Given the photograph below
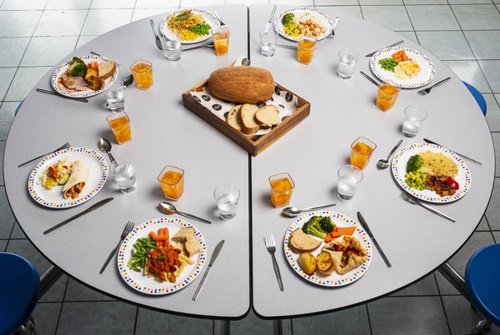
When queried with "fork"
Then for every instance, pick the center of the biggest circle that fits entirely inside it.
(271, 247)
(427, 90)
(414, 201)
(128, 228)
(221, 24)
(64, 146)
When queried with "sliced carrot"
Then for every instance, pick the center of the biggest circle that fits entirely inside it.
(153, 235)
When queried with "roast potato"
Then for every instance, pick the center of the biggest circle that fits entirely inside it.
(307, 262)
(324, 262)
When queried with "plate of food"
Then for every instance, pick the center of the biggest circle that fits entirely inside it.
(68, 177)
(406, 67)
(162, 256)
(84, 76)
(303, 21)
(188, 25)
(431, 173)
(328, 248)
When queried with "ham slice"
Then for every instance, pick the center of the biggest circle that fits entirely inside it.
(73, 84)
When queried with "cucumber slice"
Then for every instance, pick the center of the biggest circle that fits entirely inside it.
(64, 179)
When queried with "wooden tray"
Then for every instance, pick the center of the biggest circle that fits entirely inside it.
(254, 144)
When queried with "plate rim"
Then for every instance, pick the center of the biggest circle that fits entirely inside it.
(163, 25)
(278, 18)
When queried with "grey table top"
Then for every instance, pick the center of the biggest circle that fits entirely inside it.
(166, 133)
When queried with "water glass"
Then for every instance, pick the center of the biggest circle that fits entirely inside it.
(171, 49)
(115, 97)
(414, 117)
(268, 39)
(226, 198)
(349, 179)
(347, 63)
(124, 175)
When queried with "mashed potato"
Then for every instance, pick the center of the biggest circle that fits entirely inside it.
(407, 69)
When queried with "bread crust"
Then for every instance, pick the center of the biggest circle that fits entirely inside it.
(106, 70)
(249, 124)
(267, 116)
(234, 117)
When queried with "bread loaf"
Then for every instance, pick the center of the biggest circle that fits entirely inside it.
(241, 84)
(249, 124)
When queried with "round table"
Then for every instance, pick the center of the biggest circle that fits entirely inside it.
(164, 132)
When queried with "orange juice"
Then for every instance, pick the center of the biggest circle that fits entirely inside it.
(281, 189)
(361, 150)
(221, 40)
(172, 182)
(143, 74)
(387, 95)
(305, 50)
(120, 124)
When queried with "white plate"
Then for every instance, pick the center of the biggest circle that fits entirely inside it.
(149, 285)
(425, 76)
(334, 279)
(207, 16)
(323, 19)
(82, 94)
(399, 170)
(54, 198)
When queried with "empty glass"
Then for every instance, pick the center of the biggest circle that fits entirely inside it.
(115, 98)
(268, 40)
(347, 63)
(124, 175)
(414, 117)
(349, 179)
(171, 49)
(226, 198)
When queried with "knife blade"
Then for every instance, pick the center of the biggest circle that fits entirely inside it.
(210, 263)
(471, 159)
(88, 210)
(41, 90)
(363, 223)
(157, 38)
(269, 23)
(373, 81)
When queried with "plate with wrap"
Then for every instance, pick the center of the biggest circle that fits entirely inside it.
(68, 177)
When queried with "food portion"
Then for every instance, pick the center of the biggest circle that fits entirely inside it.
(347, 253)
(402, 66)
(188, 26)
(304, 24)
(77, 180)
(82, 77)
(57, 174)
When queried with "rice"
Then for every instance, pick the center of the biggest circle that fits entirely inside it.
(439, 164)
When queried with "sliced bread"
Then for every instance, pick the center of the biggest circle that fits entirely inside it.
(183, 234)
(267, 116)
(106, 70)
(234, 118)
(301, 242)
(250, 125)
(191, 246)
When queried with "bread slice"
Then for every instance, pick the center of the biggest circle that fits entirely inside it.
(191, 246)
(301, 242)
(234, 118)
(183, 234)
(267, 116)
(106, 70)
(250, 125)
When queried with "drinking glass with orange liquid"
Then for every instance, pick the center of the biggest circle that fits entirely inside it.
(142, 70)
(305, 49)
(387, 94)
(171, 181)
(120, 124)
(361, 150)
(282, 187)
(221, 40)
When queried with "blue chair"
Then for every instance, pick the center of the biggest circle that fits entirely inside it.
(478, 96)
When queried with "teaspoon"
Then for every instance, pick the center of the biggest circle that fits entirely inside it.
(292, 212)
(105, 146)
(384, 163)
(168, 208)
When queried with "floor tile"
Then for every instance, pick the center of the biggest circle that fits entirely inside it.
(252, 324)
(12, 50)
(490, 69)
(425, 2)
(426, 286)
(56, 292)
(94, 317)
(112, 4)
(145, 12)
(22, 24)
(392, 17)
(17, 232)
(26, 78)
(380, 2)
(46, 316)
(407, 315)
(153, 322)
(462, 317)
(432, 18)
(68, 4)
(446, 45)
(483, 225)
(6, 217)
(409, 35)
(69, 22)
(3, 245)
(100, 21)
(493, 210)
(493, 112)
(6, 74)
(336, 2)
(23, 4)
(48, 51)
(468, 2)
(485, 44)
(83, 40)
(79, 292)
(477, 16)
(470, 72)
(156, 3)
(334, 323)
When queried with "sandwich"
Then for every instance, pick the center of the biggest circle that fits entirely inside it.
(77, 180)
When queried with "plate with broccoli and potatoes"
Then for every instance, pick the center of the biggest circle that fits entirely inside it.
(84, 76)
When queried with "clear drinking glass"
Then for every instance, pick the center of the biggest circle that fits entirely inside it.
(305, 49)
(115, 98)
(386, 95)
(226, 198)
(361, 151)
(171, 49)
(124, 175)
(414, 117)
(171, 181)
(349, 179)
(142, 70)
(347, 63)
(268, 40)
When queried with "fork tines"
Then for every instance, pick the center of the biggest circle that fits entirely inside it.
(270, 241)
(407, 197)
(128, 228)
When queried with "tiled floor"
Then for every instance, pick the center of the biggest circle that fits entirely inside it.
(463, 33)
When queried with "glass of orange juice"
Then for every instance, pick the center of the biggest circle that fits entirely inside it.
(361, 150)
(120, 124)
(142, 70)
(282, 186)
(305, 49)
(171, 181)
(221, 40)
(387, 94)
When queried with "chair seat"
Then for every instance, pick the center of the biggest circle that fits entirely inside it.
(482, 277)
(19, 286)
(478, 96)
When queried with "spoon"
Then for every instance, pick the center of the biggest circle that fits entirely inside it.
(384, 163)
(245, 62)
(105, 146)
(292, 212)
(128, 81)
(168, 208)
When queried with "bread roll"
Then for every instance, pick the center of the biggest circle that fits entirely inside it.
(301, 242)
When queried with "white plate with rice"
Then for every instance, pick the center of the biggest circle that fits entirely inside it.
(184, 35)
(463, 176)
(302, 14)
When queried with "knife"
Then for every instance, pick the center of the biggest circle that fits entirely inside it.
(389, 46)
(369, 232)
(473, 160)
(269, 23)
(369, 78)
(157, 38)
(41, 90)
(88, 210)
(212, 260)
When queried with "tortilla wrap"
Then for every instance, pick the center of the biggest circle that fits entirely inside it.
(79, 174)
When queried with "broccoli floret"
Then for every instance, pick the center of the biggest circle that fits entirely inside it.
(77, 67)
(414, 163)
(313, 227)
(327, 224)
(287, 18)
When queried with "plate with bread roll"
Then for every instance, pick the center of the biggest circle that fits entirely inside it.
(328, 248)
